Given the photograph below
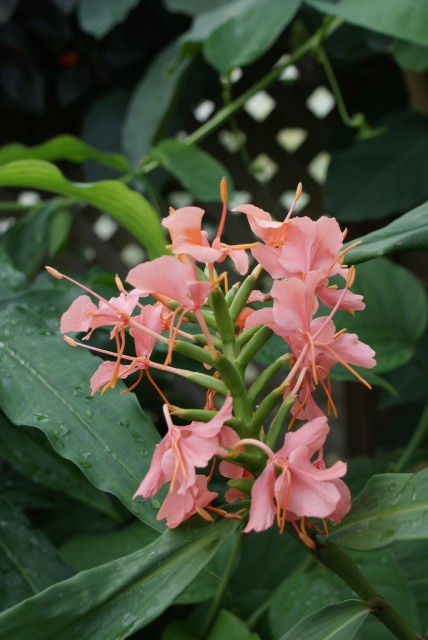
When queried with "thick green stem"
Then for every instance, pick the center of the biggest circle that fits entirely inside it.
(225, 324)
(232, 378)
(343, 566)
(240, 299)
(264, 409)
(279, 421)
(253, 346)
(194, 352)
(266, 376)
(415, 441)
(208, 382)
(200, 415)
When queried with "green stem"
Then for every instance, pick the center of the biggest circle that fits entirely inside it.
(358, 120)
(241, 297)
(253, 346)
(227, 574)
(335, 559)
(278, 421)
(232, 378)
(414, 443)
(194, 352)
(266, 376)
(200, 415)
(262, 412)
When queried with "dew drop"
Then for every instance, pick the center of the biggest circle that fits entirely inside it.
(155, 503)
(89, 413)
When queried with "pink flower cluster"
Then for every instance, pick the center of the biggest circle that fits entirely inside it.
(290, 483)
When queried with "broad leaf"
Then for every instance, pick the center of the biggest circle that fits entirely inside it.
(87, 550)
(248, 35)
(193, 7)
(411, 57)
(227, 625)
(401, 20)
(409, 232)
(150, 102)
(197, 171)
(108, 437)
(121, 596)
(98, 17)
(339, 621)
(390, 508)
(395, 316)
(28, 561)
(381, 176)
(63, 147)
(126, 206)
(29, 452)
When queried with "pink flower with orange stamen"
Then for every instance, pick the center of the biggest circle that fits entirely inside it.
(178, 507)
(292, 487)
(189, 239)
(181, 451)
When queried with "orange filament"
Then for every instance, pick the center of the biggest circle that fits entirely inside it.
(345, 364)
(153, 383)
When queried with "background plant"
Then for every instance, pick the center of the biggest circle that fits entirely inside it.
(83, 83)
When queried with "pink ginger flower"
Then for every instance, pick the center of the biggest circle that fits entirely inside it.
(272, 232)
(168, 277)
(292, 487)
(84, 315)
(314, 343)
(178, 507)
(108, 372)
(188, 238)
(181, 451)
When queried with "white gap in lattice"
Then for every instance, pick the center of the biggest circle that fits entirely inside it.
(291, 139)
(28, 198)
(203, 110)
(263, 168)
(320, 102)
(318, 166)
(132, 254)
(235, 76)
(291, 72)
(237, 198)
(287, 200)
(105, 227)
(260, 105)
(6, 224)
(179, 199)
(181, 135)
(89, 254)
(232, 141)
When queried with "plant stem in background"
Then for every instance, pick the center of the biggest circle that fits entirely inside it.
(414, 443)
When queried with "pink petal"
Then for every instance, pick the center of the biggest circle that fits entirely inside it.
(262, 509)
(79, 316)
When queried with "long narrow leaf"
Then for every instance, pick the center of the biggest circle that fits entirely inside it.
(114, 600)
(125, 205)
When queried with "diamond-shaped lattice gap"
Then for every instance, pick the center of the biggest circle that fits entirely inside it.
(263, 168)
(232, 141)
(260, 105)
(179, 199)
(291, 139)
(105, 227)
(132, 254)
(203, 110)
(320, 102)
(290, 73)
(318, 166)
(286, 199)
(239, 197)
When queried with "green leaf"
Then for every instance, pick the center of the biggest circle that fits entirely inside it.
(395, 316)
(28, 561)
(126, 206)
(249, 34)
(27, 241)
(63, 147)
(411, 57)
(227, 625)
(339, 621)
(151, 101)
(108, 437)
(401, 20)
(98, 17)
(193, 7)
(381, 176)
(390, 508)
(195, 169)
(121, 596)
(30, 454)
(12, 281)
(409, 232)
(87, 550)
